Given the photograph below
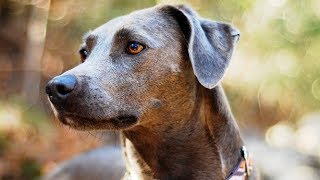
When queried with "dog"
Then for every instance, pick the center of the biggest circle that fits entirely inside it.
(154, 75)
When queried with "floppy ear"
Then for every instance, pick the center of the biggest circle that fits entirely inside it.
(210, 44)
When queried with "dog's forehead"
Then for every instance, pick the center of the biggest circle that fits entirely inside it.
(145, 21)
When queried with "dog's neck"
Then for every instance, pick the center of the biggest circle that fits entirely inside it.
(206, 146)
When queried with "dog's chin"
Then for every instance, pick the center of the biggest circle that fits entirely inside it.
(87, 124)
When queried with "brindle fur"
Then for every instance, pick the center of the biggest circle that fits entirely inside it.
(184, 128)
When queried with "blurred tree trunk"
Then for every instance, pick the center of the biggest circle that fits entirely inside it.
(36, 34)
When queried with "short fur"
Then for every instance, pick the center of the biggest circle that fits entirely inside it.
(178, 124)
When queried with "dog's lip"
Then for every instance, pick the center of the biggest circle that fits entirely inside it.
(117, 122)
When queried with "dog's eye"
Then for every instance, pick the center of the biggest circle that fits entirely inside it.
(134, 48)
(83, 54)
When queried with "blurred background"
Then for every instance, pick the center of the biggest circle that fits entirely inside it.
(273, 83)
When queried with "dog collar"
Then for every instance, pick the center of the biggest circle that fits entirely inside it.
(243, 167)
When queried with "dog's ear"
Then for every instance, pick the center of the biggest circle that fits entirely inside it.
(210, 44)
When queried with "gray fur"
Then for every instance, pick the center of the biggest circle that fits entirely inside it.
(184, 128)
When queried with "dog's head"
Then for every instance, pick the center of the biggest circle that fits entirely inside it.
(141, 66)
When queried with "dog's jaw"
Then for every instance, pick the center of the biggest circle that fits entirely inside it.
(120, 122)
(87, 124)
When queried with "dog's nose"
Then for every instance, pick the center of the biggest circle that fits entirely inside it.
(60, 87)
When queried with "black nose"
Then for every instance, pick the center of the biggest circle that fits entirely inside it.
(60, 87)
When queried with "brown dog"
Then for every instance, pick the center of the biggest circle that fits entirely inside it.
(154, 75)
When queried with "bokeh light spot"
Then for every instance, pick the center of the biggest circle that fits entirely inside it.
(280, 135)
(308, 136)
(298, 173)
(10, 118)
(286, 62)
(316, 89)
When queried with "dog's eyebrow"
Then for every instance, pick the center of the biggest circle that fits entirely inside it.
(123, 32)
(135, 35)
(89, 39)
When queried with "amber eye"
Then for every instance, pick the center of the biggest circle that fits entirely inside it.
(134, 48)
(83, 54)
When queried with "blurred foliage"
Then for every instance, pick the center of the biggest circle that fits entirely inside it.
(3, 143)
(273, 83)
(30, 169)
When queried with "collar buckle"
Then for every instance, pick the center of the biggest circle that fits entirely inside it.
(245, 155)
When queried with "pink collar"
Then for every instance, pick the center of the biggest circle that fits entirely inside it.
(243, 167)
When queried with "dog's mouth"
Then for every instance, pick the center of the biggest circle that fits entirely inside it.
(84, 123)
